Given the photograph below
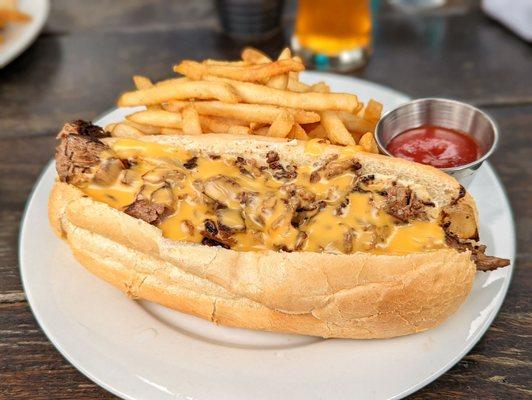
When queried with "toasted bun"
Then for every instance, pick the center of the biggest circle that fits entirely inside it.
(330, 295)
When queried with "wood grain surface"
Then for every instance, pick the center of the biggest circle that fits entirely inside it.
(86, 56)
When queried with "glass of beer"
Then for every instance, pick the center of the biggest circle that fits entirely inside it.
(333, 34)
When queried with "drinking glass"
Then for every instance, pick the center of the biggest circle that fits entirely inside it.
(333, 34)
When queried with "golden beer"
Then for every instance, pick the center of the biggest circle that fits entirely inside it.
(333, 27)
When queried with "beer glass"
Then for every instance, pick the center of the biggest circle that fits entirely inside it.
(333, 34)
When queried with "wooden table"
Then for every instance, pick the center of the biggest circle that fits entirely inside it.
(86, 56)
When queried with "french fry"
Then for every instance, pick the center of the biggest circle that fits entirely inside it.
(337, 133)
(373, 110)
(141, 82)
(171, 131)
(295, 75)
(281, 81)
(145, 129)
(123, 130)
(367, 141)
(222, 62)
(259, 94)
(261, 131)
(171, 81)
(220, 125)
(247, 73)
(320, 87)
(9, 13)
(110, 127)
(12, 15)
(286, 54)
(295, 86)
(256, 125)
(252, 96)
(355, 123)
(178, 105)
(191, 122)
(297, 132)
(238, 130)
(234, 121)
(160, 118)
(318, 132)
(179, 91)
(282, 124)
(254, 56)
(309, 127)
(247, 112)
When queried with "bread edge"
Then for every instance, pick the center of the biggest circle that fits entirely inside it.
(416, 300)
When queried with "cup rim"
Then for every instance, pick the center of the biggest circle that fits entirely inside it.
(491, 121)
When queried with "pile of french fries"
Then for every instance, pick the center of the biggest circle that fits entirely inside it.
(253, 96)
(9, 12)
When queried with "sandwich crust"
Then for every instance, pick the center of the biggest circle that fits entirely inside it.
(330, 295)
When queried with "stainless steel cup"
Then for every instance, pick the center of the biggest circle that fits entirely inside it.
(446, 113)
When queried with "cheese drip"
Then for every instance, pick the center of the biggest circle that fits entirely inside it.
(346, 220)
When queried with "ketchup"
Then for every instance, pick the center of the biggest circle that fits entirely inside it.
(436, 146)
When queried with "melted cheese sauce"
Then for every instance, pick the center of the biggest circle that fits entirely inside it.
(358, 225)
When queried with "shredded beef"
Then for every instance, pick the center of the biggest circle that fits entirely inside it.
(287, 173)
(279, 172)
(248, 167)
(82, 128)
(220, 239)
(272, 156)
(210, 227)
(461, 194)
(75, 155)
(212, 242)
(78, 151)
(366, 179)
(315, 177)
(334, 168)
(298, 197)
(148, 211)
(482, 261)
(348, 240)
(302, 216)
(214, 235)
(403, 204)
(192, 163)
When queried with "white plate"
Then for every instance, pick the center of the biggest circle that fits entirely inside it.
(139, 350)
(18, 36)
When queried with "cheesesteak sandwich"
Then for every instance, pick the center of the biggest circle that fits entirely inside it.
(269, 234)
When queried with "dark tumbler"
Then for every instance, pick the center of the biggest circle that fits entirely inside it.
(250, 20)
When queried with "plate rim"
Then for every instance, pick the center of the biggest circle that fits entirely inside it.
(15, 49)
(473, 341)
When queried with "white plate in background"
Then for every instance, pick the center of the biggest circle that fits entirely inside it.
(139, 350)
(19, 36)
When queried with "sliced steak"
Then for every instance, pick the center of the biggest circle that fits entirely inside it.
(78, 151)
(214, 235)
(403, 204)
(75, 156)
(482, 261)
(334, 168)
(148, 211)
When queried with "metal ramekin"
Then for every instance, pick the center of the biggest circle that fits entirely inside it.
(446, 113)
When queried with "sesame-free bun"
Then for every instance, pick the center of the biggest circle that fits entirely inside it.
(357, 295)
